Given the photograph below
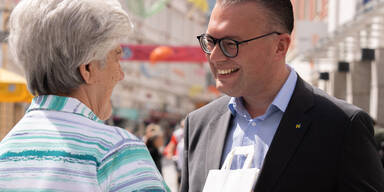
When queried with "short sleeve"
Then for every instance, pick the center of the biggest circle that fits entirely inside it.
(129, 167)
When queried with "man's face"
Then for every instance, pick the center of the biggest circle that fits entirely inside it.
(250, 72)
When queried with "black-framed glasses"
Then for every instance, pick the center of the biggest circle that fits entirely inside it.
(228, 46)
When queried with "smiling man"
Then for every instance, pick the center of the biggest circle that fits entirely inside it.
(70, 52)
(304, 140)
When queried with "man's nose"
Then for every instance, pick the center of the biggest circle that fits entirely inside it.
(217, 54)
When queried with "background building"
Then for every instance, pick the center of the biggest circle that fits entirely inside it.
(163, 90)
(349, 57)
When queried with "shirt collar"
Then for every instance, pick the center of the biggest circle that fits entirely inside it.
(63, 104)
(282, 98)
(236, 106)
(280, 102)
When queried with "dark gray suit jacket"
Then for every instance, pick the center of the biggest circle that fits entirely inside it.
(332, 151)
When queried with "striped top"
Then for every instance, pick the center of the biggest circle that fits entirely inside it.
(60, 145)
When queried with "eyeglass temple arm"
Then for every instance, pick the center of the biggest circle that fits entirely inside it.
(275, 32)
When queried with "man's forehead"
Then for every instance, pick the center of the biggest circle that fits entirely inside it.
(235, 18)
(219, 24)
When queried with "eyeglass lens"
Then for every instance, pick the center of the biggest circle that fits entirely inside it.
(228, 46)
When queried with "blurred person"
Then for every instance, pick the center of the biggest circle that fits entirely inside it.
(148, 133)
(174, 149)
(179, 159)
(155, 142)
(180, 148)
(304, 140)
(71, 55)
(171, 151)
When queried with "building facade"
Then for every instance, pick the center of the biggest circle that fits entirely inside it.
(349, 58)
(164, 89)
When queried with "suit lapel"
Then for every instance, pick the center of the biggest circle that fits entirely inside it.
(292, 128)
(218, 129)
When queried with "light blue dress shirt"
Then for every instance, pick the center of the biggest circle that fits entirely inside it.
(259, 131)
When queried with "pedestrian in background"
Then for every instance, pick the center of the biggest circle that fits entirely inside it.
(155, 143)
(170, 150)
(70, 51)
(175, 147)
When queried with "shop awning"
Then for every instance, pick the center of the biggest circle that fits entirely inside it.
(13, 88)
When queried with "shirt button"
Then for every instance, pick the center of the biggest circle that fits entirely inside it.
(254, 124)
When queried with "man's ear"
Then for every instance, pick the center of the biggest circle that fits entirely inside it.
(88, 72)
(283, 44)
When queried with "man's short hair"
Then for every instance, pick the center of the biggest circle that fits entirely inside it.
(281, 11)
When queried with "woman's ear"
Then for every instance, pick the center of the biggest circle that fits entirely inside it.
(85, 73)
(88, 71)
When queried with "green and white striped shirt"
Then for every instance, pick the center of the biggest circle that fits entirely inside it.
(61, 145)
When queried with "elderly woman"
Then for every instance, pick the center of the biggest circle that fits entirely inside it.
(70, 52)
